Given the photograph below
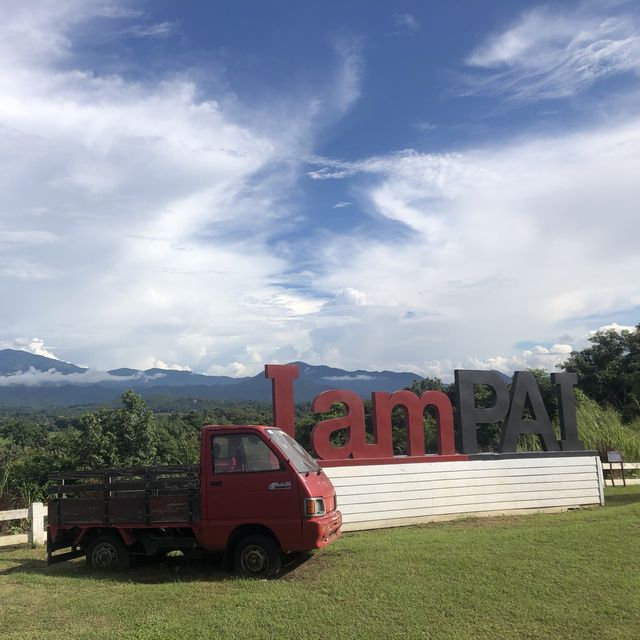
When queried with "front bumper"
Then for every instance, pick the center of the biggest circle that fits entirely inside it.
(320, 531)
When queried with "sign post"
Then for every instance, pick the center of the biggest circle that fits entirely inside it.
(616, 456)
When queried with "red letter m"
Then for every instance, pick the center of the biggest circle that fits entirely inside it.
(414, 406)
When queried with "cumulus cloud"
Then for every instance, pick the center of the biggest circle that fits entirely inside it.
(556, 51)
(155, 363)
(540, 357)
(32, 345)
(614, 326)
(349, 296)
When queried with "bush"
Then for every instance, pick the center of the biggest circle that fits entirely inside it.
(602, 429)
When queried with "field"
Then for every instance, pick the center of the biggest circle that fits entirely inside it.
(568, 575)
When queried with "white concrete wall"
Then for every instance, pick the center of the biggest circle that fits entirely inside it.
(388, 495)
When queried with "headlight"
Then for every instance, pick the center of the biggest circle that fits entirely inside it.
(314, 507)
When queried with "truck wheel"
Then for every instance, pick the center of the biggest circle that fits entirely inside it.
(107, 552)
(257, 557)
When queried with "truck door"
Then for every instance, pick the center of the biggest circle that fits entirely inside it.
(250, 484)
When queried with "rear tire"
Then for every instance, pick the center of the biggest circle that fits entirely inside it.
(107, 552)
(257, 557)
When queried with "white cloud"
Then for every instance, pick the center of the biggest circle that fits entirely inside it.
(539, 357)
(18, 268)
(26, 236)
(342, 204)
(139, 223)
(425, 125)
(349, 296)
(514, 241)
(34, 378)
(36, 345)
(555, 52)
(406, 22)
(137, 217)
(347, 86)
(155, 363)
(233, 369)
(156, 30)
(614, 326)
(32, 345)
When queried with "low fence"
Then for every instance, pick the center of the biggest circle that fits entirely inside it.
(36, 515)
(628, 466)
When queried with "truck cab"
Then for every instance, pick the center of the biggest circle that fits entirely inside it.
(258, 481)
(257, 494)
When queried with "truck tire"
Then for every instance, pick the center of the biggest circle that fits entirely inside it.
(107, 552)
(257, 557)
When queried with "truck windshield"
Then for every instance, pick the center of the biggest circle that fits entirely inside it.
(298, 457)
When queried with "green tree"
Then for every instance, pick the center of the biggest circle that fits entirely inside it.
(609, 370)
(124, 437)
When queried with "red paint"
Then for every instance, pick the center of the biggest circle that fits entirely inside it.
(353, 420)
(272, 499)
(414, 406)
(359, 462)
(244, 498)
(282, 377)
(383, 403)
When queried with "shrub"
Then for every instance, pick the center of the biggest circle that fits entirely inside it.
(602, 429)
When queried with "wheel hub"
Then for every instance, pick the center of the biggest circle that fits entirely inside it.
(255, 559)
(105, 555)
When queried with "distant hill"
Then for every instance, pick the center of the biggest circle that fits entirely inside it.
(29, 380)
(14, 361)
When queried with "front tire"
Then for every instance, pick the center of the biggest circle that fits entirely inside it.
(257, 557)
(107, 552)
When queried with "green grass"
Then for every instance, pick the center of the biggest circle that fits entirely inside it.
(568, 575)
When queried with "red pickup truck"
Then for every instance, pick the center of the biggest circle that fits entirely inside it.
(255, 495)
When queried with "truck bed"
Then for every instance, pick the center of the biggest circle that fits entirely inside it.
(146, 496)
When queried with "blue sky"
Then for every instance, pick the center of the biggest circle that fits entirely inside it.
(401, 185)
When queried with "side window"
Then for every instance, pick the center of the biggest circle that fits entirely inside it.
(242, 453)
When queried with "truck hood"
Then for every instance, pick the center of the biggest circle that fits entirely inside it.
(319, 486)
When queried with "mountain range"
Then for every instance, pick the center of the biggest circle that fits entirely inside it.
(27, 379)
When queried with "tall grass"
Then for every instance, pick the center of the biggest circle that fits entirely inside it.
(602, 429)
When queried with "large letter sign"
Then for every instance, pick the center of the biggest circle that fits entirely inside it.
(353, 421)
(469, 416)
(414, 406)
(567, 404)
(524, 386)
(509, 408)
(282, 376)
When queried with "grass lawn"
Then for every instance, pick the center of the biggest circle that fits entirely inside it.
(569, 575)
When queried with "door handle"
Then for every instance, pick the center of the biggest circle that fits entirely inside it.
(215, 483)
